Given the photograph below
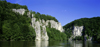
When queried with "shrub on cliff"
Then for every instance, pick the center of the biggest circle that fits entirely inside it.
(56, 34)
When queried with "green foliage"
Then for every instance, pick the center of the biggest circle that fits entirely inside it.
(7, 5)
(68, 33)
(14, 26)
(78, 38)
(43, 16)
(2, 0)
(91, 26)
(56, 34)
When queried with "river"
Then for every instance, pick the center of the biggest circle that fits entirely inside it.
(48, 44)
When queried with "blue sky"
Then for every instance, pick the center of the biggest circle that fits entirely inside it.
(64, 11)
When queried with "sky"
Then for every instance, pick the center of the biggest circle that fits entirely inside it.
(65, 11)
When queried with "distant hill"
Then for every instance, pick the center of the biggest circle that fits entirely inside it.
(91, 27)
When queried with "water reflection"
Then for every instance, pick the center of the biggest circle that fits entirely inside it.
(48, 44)
(75, 44)
(80, 43)
(41, 43)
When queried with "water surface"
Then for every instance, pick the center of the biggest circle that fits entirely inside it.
(48, 44)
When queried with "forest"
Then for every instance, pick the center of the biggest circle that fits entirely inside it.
(13, 25)
(91, 27)
(16, 27)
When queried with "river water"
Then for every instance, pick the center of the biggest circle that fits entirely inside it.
(48, 44)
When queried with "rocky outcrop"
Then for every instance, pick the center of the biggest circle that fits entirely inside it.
(20, 11)
(56, 25)
(40, 28)
(77, 31)
(44, 33)
(40, 25)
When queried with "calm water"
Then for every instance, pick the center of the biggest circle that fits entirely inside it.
(48, 44)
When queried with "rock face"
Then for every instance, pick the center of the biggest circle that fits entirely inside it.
(44, 33)
(40, 25)
(20, 11)
(41, 33)
(56, 25)
(77, 31)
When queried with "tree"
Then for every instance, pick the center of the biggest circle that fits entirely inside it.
(2, 0)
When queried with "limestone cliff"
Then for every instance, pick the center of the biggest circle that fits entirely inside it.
(40, 25)
(77, 31)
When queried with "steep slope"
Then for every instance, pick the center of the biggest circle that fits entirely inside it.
(91, 27)
(18, 23)
(13, 25)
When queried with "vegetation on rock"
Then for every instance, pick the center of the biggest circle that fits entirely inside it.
(14, 26)
(91, 27)
(43, 16)
(56, 34)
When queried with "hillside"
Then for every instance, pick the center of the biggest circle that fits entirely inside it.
(91, 27)
(17, 23)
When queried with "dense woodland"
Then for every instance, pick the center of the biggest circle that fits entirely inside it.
(91, 27)
(13, 25)
(16, 27)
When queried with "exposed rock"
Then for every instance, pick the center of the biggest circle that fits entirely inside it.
(55, 25)
(37, 31)
(41, 34)
(40, 25)
(44, 33)
(77, 31)
(20, 11)
(29, 14)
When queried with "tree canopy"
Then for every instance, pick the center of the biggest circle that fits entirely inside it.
(14, 26)
(91, 26)
(43, 16)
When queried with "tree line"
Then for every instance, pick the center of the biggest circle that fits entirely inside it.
(91, 27)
